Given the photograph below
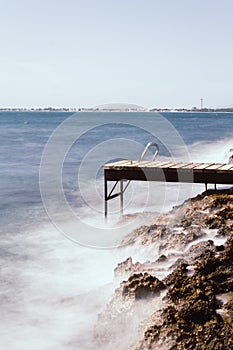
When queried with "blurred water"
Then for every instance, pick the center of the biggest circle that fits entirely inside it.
(45, 278)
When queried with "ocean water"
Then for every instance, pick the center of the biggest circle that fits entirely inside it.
(57, 251)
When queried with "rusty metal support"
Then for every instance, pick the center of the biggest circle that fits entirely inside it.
(112, 195)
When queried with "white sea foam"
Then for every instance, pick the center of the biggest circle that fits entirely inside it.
(53, 293)
(216, 152)
(50, 293)
(46, 309)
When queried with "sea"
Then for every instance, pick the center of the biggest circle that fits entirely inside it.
(58, 252)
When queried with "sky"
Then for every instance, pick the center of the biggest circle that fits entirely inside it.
(84, 53)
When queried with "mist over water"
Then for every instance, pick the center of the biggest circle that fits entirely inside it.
(51, 288)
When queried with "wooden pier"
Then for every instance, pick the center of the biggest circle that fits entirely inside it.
(124, 171)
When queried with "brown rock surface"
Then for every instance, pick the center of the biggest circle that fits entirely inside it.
(192, 315)
(142, 286)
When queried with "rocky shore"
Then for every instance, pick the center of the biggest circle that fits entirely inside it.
(183, 299)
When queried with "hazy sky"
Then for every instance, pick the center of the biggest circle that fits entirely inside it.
(154, 53)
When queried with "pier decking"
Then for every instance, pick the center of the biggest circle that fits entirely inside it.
(133, 170)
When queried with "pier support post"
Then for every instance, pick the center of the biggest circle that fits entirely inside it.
(105, 198)
(121, 195)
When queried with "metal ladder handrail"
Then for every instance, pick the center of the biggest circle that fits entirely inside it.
(111, 194)
(150, 144)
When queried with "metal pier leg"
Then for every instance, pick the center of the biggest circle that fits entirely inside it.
(215, 186)
(105, 198)
(206, 186)
(121, 195)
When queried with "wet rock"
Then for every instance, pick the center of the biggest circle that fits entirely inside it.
(178, 262)
(194, 234)
(142, 286)
(201, 249)
(220, 248)
(126, 268)
(225, 230)
(191, 317)
(229, 308)
(214, 222)
(162, 258)
(228, 253)
(177, 277)
(192, 305)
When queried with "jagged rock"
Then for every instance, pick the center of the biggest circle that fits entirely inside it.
(225, 230)
(162, 258)
(201, 249)
(178, 262)
(229, 308)
(126, 267)
(192, 306)
(142, 286)
(229, 249)
(191, 316)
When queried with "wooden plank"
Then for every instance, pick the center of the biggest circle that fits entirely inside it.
(132, 163)
(149, 163)
(146, 164)
(133, 169)
(226, 167)
(202, 166)
(126, 164)
(179, 165)
(118, 163)
(159, 165)
(192, 165)
(215, 166)
(141, 164)
(161, 162)
(170, 172)
(156, 164)
(153, 164)
(137, 163)
(165, 166)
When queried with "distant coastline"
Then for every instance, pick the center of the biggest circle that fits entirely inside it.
(96, 109)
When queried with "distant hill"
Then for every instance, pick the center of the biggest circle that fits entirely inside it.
(119, 106)
(224, 107)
